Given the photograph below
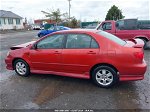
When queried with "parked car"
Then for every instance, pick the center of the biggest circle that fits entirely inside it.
(89, 54)
(91, 26)
(51, 30)
(128, 29)
(36, 27)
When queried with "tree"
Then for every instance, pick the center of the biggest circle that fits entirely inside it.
(114, 13)
(54, 15)
(74, 22)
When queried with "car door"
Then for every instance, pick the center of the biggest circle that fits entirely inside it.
(48, 52)
(80, 52)
(107, 26)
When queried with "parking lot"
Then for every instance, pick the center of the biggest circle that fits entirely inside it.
(56, 92)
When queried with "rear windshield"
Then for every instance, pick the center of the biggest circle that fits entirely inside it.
(113, 38)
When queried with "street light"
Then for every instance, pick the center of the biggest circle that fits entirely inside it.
(69, 8)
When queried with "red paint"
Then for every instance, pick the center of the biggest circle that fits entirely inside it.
(127, 59)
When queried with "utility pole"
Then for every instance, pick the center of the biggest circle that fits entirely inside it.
(69, 8)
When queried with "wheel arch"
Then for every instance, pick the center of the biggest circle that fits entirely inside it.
(102, 64)
(17, 59)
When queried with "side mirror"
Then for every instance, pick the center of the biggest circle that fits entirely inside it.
(34, 46)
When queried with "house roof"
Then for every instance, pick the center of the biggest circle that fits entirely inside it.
(9, 14)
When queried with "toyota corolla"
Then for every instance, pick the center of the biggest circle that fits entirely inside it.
(89, 54)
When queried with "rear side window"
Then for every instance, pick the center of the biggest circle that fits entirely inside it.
(80, 41)
(112, 37)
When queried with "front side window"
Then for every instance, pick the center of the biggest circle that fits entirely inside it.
(80, 41)
(107, 26)
(51, 42)
(10, 21)
(51, 28)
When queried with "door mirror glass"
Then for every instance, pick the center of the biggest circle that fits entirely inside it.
(34, 46)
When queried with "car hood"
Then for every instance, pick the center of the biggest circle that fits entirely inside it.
(22, 45)
(136, 43)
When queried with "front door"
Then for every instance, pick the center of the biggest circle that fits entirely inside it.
(47, 55)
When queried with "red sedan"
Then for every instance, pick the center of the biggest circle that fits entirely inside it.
(88, 54)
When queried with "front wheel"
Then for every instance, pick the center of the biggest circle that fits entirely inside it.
(21, 68)
(104, 76)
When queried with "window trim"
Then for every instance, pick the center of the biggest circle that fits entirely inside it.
(81, 48)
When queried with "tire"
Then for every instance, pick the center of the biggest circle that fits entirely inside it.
(104, 76)
(145, 44)
(21, 68)
(41, 35)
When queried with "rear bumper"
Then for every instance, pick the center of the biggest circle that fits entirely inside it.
(8, 62)
(136, 72)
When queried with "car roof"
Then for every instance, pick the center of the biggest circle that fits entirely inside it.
(79, 31)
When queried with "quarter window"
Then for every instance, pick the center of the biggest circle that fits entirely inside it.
(51, 42)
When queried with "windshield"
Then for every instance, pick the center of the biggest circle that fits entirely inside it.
(113, 38)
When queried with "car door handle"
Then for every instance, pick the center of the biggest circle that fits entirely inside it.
(57, 52)
(91, 52)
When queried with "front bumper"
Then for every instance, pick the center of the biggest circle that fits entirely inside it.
(8, 62)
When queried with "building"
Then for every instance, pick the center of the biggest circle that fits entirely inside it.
(10, 20)
(43, 21)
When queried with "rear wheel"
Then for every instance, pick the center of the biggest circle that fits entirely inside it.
(104, 76)
(41, 35)
(21, 68)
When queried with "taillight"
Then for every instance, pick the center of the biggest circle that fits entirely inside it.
(139, 55)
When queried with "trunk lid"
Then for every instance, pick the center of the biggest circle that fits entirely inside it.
(135, 43)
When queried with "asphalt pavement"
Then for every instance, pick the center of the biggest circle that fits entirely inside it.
(56, 92)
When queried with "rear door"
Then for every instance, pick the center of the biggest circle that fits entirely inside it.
(80, 52)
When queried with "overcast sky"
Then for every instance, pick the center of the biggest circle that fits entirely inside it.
(86, 10)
